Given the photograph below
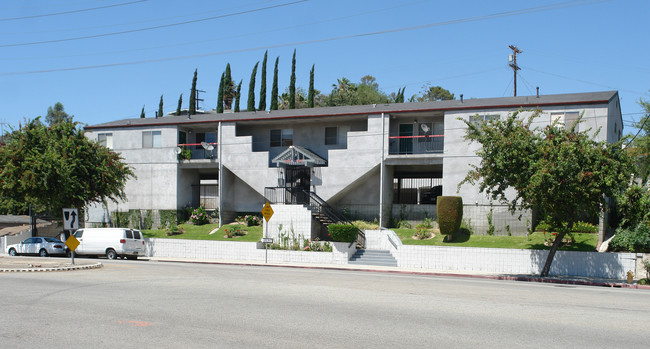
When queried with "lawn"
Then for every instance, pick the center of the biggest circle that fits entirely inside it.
(202, 232)
(583, 242)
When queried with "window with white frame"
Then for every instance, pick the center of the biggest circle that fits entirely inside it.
(282, 138)
(151, 139)
(105, 140)
(331, 135)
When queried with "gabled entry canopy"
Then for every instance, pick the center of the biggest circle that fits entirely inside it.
(296, 155)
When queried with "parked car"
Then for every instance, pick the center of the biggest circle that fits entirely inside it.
(110, 242)
(42, 246)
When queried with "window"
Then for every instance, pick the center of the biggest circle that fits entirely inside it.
(129, 234)
(567, 119)
(105, 139)
(331, 135)
(475, 119)
(151, 139)
(282, 138)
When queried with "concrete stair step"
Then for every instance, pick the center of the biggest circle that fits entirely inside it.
(373, 257)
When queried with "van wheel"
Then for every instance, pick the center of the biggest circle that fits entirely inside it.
(42, 253)
(12, 252)
(111, 254)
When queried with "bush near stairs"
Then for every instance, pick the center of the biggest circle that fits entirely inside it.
(343, 232)
(450, 215)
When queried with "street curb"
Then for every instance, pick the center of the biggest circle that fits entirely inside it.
(67, 268)
(474, 276)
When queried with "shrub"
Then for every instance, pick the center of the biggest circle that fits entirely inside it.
(199, 216)
(252, 220)
(450, 215)
(422, 232)
(632, 239)
(363, 225)
(491, 228)
(343, 232)
(584, 227)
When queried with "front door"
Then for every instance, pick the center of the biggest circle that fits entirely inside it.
(298, 181)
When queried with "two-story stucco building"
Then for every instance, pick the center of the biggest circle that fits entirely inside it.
(383, 161)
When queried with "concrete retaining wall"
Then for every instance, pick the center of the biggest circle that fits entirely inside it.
(488, 260)
(244, 251)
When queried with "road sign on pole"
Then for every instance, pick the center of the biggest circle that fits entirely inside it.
(267, 211)
(70, 219)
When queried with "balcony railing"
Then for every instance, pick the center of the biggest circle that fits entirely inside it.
(400, 145)
(198, 151)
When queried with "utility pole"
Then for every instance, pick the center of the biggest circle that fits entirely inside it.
(197, 99)
(512, 59)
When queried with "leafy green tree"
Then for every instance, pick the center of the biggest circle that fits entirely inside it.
(640, 145)
(180, 104)
(399, 96)
(434, 93)
(344, 92)
(274, 88)
(220, 95)
(142, 115)
(192, 110)
(292, 83)
(263, 83)
(228, 89)
(160, 107)
(49, 168)
(57, 114)
(312, 93)
(559, 171)
(251, 89)
(238, 96)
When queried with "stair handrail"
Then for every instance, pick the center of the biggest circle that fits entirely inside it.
(324, 208)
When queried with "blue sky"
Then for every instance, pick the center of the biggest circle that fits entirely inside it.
(105, 59)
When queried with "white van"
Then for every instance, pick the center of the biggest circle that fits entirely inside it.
(110, 242)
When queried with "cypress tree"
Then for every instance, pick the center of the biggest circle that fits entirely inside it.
(251, 89)
(180, 103)
(192, 110)
(274, 89)
(238, 97)
(228, 89)
(160, 107)
(220, 96)
(292, 83)
(310, 96)
(263, 83)
(142, 113)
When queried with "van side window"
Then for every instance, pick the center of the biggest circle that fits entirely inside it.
(78, 233)
(129, 234)
(136, 234)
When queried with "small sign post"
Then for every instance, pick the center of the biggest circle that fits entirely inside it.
(72, 244)
(267, 212)
(71, 223)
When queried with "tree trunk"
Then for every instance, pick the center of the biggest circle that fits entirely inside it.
(551, 253)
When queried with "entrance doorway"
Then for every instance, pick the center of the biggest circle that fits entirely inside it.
(298, 180)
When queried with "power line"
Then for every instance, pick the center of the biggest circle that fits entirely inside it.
(152, 28)
(299, 43)
(72, 11)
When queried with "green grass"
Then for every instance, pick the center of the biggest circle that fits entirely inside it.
(202, 232)
(583, 242)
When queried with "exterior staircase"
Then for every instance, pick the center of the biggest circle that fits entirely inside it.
(373, 257)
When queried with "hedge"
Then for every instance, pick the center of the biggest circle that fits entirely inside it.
(343, 232)
(450, 214)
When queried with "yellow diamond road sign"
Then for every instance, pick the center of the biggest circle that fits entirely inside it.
(72, 243)
(267, 211)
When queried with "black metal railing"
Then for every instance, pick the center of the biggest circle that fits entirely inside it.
(318, 206)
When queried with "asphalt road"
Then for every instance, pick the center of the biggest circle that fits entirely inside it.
(145, 304)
